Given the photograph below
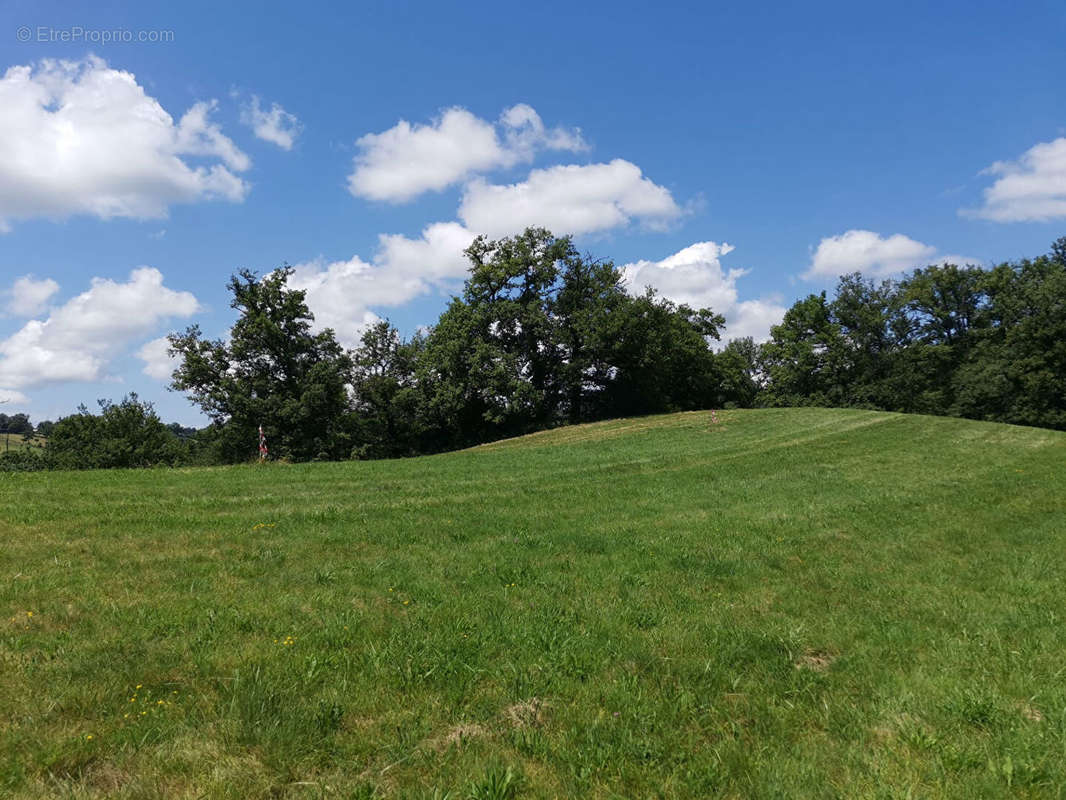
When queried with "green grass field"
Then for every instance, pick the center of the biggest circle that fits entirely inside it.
(790, 603)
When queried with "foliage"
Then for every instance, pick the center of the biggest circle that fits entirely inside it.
(15, 423)
(512, 354)
(1016, 370)
(386, 419)
(273, 371)
(961, 341)
(24, 459)
(125, 434)
(662, 358)
(738, 364)
(543, 335)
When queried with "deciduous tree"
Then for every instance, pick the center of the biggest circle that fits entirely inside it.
(273, 370)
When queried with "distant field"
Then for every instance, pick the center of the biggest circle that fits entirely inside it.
(15, 441)
(790, 603)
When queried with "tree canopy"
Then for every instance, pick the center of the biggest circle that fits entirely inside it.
(984, 343)
(124, 434)
(273, 371)
(542, 335)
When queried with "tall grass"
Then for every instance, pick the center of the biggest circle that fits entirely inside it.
(782, 603)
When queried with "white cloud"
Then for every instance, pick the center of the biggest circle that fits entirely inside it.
(869, 253)
(77, 137)
(341, 293)
(568, 199)
(957, 260)
(694, 276)
(276, 125)
(28, 296)
(754, 318)
(78, 339)
(338, 294)
(1031, 189)
(158, 363)
(11, 396)
(406, 160)
(197, 135)
(436, 256)
(524, 134)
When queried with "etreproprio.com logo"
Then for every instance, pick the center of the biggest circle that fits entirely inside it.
(77, 34)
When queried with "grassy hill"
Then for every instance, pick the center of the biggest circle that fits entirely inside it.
(14, 441)
(788, 603)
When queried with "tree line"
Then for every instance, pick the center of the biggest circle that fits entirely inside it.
(981, 343)
(542, 335)
(18, 424)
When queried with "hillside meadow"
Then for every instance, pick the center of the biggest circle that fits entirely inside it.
(14, 441)
(778, 603)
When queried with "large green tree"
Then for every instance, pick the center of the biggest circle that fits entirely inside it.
(388, 415)
(15, 423)
(807, 358)
(742, 379)
(661, 358)
(489, 367)
(1015, 370)
(543, 335)
(273, 370)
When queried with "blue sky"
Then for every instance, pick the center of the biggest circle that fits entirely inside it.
(812, 139)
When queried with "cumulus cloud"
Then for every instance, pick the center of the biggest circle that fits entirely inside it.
(869, 253)
(569, 199)
(695, 276)
(524, 134)
(277, 125)
(436, 256)
(11, 396)
(158, 363)
(28, 296)
(407, 160)
(341, 293)
(754, 318)
(1031, 189)
(79, 338)
(78, 137)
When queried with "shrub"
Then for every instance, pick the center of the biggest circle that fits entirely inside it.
(24, 460)
(126, 434)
